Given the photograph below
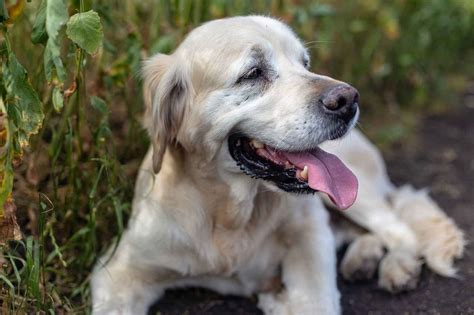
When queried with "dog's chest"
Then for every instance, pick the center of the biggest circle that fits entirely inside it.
(233, 248)
(256, 244)
(254, 262)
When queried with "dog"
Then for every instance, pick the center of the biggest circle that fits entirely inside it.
(249, 149)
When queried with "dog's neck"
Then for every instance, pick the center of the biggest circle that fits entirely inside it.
(237, 213)
(232, 203)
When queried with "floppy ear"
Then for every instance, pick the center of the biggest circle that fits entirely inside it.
(166, 89)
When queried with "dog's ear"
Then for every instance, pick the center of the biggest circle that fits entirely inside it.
(166, 90)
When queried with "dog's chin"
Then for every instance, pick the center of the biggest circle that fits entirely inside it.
(253, 159)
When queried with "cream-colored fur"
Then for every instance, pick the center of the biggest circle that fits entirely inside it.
(439, 239)
(200, 221)
(407, 222)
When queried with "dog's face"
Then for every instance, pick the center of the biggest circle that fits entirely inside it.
(238, 93)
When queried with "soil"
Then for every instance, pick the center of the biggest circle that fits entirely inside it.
(439, 156)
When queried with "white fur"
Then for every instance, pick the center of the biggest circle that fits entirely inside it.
(201, 221)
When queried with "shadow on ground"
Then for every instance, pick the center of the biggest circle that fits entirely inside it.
(441, 157)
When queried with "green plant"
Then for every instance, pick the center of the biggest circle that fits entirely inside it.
(74, 163)
(70, 135)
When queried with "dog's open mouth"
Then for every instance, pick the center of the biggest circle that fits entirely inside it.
(299, 172)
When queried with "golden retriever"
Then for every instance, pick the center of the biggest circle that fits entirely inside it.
(241, 135)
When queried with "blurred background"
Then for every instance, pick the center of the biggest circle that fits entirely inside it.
(409, 59)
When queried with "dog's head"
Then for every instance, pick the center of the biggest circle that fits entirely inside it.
(238, 93)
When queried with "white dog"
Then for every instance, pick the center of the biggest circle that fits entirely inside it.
(239, 129)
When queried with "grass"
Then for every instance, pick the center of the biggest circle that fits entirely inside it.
(73, 187)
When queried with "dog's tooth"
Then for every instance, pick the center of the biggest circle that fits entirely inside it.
(304, 173)
(257, 144)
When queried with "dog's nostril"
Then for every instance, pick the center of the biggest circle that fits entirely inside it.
(340, 97)
(341, 102)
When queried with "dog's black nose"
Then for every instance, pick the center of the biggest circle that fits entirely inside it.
(341, 100)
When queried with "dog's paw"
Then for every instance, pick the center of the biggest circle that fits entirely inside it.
(362, 258)
(284, 303)
(440, 240)
(445, 244)
(273, 304)
(399, 271)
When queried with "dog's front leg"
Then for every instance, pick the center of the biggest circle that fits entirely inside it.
(309, 267)
(129, 279)
(125, 285)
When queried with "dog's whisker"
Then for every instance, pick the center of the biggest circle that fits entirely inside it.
(317, 42)
(359, 125)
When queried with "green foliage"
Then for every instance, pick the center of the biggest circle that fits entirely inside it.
(57, 99)
(85, 30)
(55, 18)
(38, 33)
(82, 96)
(3, 12)
(21, 116)
(99, 105)
(23, 104)
(398, 53)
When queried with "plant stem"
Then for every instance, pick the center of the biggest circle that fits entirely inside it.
(81, 91)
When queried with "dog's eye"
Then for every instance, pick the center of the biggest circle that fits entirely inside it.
(253, 74)
(306, 63)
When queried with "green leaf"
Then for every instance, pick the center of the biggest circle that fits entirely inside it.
(99, 105)
(33, 267)
(85, 30)
(56, 17)
(25, 110)
(8, 282)
(6, 156)
(58, 99)
(165, 44)
(39, 34)
(3, 12)
(53, 64)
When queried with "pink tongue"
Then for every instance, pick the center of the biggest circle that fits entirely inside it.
(328, 174)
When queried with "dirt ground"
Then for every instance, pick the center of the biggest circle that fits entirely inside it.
(440, 156)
